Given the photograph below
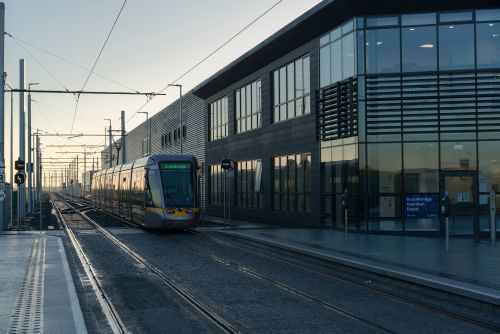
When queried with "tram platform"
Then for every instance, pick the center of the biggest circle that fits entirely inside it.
(471, 267)
(37, 292)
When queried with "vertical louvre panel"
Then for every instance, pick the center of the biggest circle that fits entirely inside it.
(339, 110)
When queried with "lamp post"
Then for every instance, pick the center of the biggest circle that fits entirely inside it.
(11, 156)
(30, 169)
(110, 142)
(180, 112)
(148, 123)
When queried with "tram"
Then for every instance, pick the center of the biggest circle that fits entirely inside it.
(158, 192)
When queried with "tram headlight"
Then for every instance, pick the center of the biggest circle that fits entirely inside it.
(188, 211)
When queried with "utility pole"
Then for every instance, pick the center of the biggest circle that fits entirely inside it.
(77, 175)
(30, 168)
(123, 148)
(84, 171)
(2, 114)
(11, 153)
(110, 144)
(39, 179)
(21, 198)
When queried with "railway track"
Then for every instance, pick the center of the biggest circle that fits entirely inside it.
(394, 296)
(110, 312)
(303, 294)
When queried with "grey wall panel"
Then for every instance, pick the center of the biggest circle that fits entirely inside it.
(296, 135)
(165, 122)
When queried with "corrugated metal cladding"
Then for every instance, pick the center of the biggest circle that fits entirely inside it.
(165, 123)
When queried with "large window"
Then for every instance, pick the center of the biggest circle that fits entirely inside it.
(337, 55)
(218, 119)
(292, 183)
(216, 185)
(419, 49)
(421, 167)
(489, 166)
(458, 155)
(488, 45)
(339, 171)
(248, 107)
(384, 168)
(456, 51)
(248, 187)
(382, 51)
(292, 90)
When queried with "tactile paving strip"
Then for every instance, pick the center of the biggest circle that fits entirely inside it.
(28, 311)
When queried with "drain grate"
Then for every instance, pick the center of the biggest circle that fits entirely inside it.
(28, 311)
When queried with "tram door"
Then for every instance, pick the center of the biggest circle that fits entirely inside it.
(461, 188)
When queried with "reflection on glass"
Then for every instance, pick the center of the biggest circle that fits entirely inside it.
(489, 166)
(385, 206)
(418, 19)
(455, 51)
(488, 15)
(324, 66)
(458, 155)
(461, 192)
(382, 51)
(336, 61)
(455, 17)
(382, 21)
(384, 168)
(427, 224)
(488, 45)
(419, 49)
(421, 167)
(347, 27)
(348, 62)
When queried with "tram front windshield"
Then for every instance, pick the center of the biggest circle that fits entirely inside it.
(177, 183)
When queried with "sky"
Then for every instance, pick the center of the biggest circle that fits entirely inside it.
(152, 44)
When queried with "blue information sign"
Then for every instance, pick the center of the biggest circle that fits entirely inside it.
(421, 206)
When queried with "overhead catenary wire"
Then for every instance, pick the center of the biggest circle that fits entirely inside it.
(97, 59)
(72, 63)
(39, 63)
(192, 68)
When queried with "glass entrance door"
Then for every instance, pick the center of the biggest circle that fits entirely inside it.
(461, 190)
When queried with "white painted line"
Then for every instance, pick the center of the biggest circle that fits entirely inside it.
(80, 327)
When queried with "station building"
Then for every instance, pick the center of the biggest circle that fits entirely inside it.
(395, 101)
(161, 133)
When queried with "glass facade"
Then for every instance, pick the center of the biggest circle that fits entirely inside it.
(338, 55)
(219, 119)
(216, 185)
(428, 122)
(248, 107)
(292, 183)
(248, 184)
(292, 90)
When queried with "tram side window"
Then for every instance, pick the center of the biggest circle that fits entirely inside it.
(138, 188)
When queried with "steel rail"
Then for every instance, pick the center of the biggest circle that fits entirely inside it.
(247, 271)
(337, 309)
(404, 299)
(179, 290)
(107, 307)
